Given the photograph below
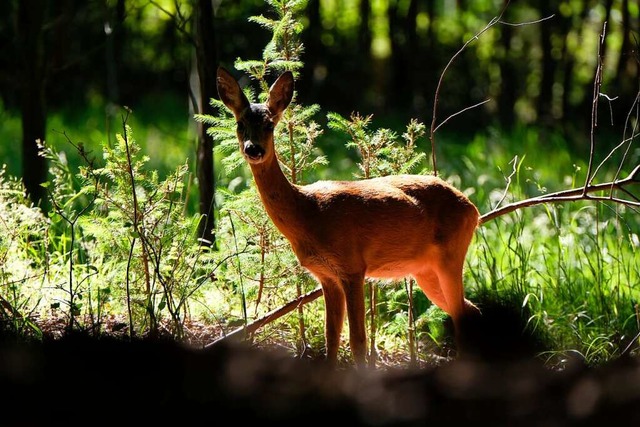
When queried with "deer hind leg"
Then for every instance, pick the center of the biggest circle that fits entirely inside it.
(334, 301)
(430, 285)
(450, 279)
(447, 294)
(449, 268)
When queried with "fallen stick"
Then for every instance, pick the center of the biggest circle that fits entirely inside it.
(242, 332)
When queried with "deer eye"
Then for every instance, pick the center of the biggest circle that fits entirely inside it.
(240, 127)
(269, 126)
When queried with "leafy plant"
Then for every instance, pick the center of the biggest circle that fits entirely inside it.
(23, 258)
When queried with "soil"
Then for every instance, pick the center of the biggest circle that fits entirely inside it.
(82, 380)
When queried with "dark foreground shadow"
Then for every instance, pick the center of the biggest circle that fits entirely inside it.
(500, 334)
(83, 381)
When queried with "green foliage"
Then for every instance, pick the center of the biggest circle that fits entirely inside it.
(23, 254)
(143, 223)
(284, 50)
(572, 265)
(379, 151)
(117, 243)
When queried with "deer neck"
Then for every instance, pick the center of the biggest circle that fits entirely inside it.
(282, 200)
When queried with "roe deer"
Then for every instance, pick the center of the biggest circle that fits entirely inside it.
(343, 231)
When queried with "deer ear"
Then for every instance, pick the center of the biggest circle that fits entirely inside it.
(280, 93)
(230, 92)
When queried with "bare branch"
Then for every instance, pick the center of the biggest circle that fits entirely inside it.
(460, 112)
(508, 179)
(522, 24)
(597, 83)
(573, 195)
(496, 20)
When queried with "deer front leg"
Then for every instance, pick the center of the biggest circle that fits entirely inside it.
(354, 292)
(334, 305)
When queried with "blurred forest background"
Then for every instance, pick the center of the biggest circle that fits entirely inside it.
(67, 65)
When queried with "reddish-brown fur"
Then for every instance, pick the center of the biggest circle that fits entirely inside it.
(343, 231)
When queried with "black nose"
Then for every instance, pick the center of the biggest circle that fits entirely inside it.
(253, 151)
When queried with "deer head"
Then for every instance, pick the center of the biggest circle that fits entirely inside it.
(255, 122)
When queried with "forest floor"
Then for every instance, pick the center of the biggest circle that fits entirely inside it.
(157, 380)
(198, 335)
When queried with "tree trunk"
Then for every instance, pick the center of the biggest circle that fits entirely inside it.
(400, 84)
(363, 49)
(625, 81)
(312, 82)
(206, 57)
(507, 98)
(416, 60)
(364, 32)
(114, 28)
(549, 65)
(570, 119)
(29, 28)
(625, 49)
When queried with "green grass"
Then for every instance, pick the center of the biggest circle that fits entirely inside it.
(575, 265)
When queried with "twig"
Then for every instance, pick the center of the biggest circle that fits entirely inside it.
(522, 24)
(460, 112)
(244, 300)
(135, 217)
(508, 179)
(597, 83)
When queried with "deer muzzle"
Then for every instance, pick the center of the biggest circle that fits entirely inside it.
(252, 151)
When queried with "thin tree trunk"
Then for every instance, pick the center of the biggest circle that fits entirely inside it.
(363, 49)
(206, 56)
(549, 65)
(29, 27)
(314, 73)
(508, 77)
(364, 32)
(398, 85)
(625, 82)
(625, 49)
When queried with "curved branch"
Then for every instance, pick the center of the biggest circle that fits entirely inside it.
(574, 194)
